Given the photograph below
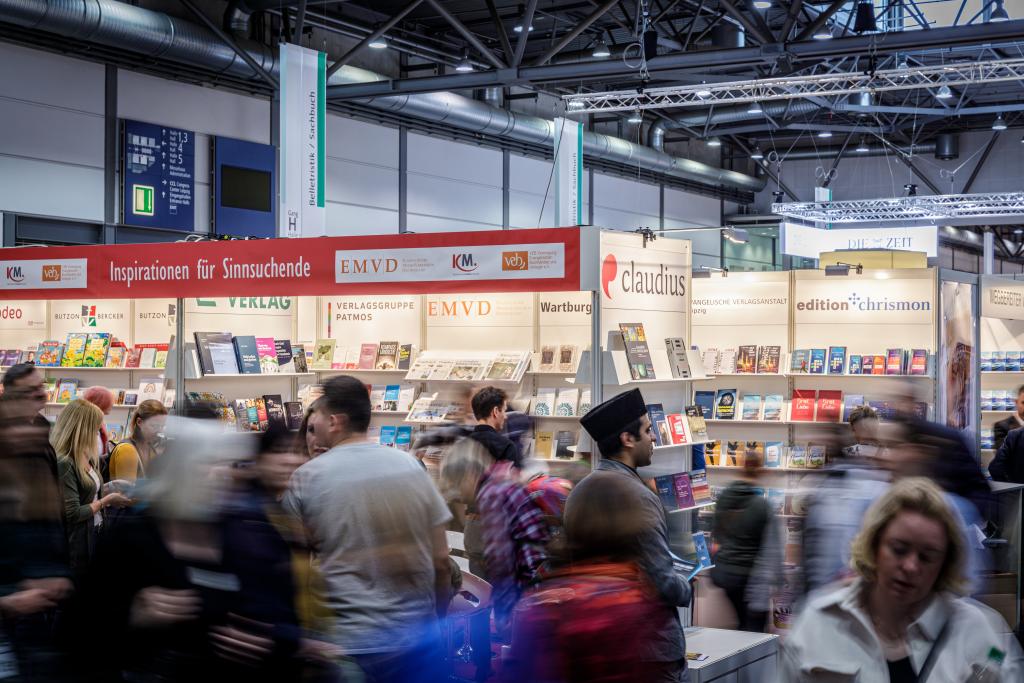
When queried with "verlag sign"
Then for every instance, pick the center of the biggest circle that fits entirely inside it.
(507, 260)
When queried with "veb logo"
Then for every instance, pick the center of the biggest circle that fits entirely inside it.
(609, 269)
(51, 273)
(88, 316)
(14, 274)
(464, 263)
(515, 260)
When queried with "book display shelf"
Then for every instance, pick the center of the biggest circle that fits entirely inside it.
(1001, 353)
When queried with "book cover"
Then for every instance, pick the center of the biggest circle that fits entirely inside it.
(886, 410)
(31, 354)
(266, 351)
(836, 360)
(261, 413)
(802, 405)
(800, 361)
(700, 543)
(697, 423)
(11, 357)
(131, 398)
(768, 359)
(148, 358)
(323, 354)
(564, 441)
(503, 367)
(544, 402)
(665, 488)
(712, 360)
(299, 358)
(773, 454)
(753, 449)
(894, 362)
(96, 350)
(797, 457)
(66, 390)
(275, 410)
(285, 355)
(584, 402)
(133, 357)
(367, 356)
(74, 350)
(404, 356)
(50, 354)
(706, 401)
(727, 362)
(879, 367)
(815, 456)
(387, 356)
(115, 357)
(544, 443)
(547, 358)
(160, 359)
(406, 397)
(403, 438)
(392, 393)
(388, 434)
(816, 365)
(773, 404)
(683, 489)
(638, 355)
(376, 397)
(830, 406)
(677, 428)
(151, 389)
(734, 454)
(246, 354)
(567, 358)
(202, 346)
(725, 404)
(985, 362)
(867, 365)
(293, 414)
(750, 407)
(850, 403)
(855, 365)
(746, 359)
(566, 401)
(919, 362)
(699, 486)
(713, 454)
(465, 371)
(222, 355)
(659, 426)
(678, 362)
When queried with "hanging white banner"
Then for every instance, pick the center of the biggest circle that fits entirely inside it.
(568, 172)
(303, 117)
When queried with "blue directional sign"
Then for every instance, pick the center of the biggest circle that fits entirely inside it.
(158, 170)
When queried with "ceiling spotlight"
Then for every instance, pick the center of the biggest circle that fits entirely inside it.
(575, 105)
(463, 64)
(378, 43)
(1022, 140)
(714, 141)
(636, 117)
(911, 189)
(865, 21)
(824, 32)
(999, 13)
(1018, 231)
(757, 153)
(754, 108)
(862, 146)
(999, 123)
(601, 50)
(762, 4)
(703, 92)
(825, 134)
(944, 93)
(736, 235)
(518, 28)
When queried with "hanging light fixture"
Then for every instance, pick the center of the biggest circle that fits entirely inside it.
(865, 20)
(601, 50)
(999, 123)
(379, 43)
(714, 141)
(518, 28)
(754, 108)
(944, 93)
(703, 92)
(998, 14)
(825, 134)
(575, 105)
(862, 146)
(762, 4)
(757, 153)
(636, 117)
(463, 64)
(824, 32)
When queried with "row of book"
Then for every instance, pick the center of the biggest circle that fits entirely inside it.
(673, 429)
(683, 490)
(1002, 361)
(835, 361)
(379, 355)
(638, 353)
(395, 436)
(988, 438)
(806, 405)
(556, 445)
(221, 353)
(68, 389)
(772, 454)
(743, 360)
(89, 350)
(500, 367)
(396, 398)
(560, 402)
(998, 399)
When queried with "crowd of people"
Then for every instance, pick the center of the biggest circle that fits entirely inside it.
(187, 553)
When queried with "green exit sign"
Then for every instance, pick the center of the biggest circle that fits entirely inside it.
(142, 200)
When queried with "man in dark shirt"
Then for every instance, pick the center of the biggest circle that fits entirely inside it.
(489, 407)
(1002, 428)
(1008, 464)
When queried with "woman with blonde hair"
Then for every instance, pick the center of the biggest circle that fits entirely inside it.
(132, 456)
(74, 440)
(902, 619)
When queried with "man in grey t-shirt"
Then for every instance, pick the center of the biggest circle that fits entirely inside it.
(377, 523)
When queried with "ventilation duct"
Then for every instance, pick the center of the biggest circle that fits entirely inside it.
(726, 36)
(156, 35)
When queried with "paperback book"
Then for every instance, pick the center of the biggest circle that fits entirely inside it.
(773, 454)
(96, 350)
(246, 354)
(323, 354)
(659, 425)
(638, 355)
(677, 429)
(802, 405)
(275, 410)
(830, 406)
(404, 356)
(746, 360)
(750, 407)
(74, 351)
(773, 404)
(698, 426)
(768, 358)
(285, 357)
(894, 362)
(706, 401)
(855, 365)
(800, 361)
(567, 358)
(547, 359)
(817, 362)
(387, 356)
(566, 401)
(836, 360)
(50, 354)
(683, 490)
(678, 361)
(725, 404)
(919, 362)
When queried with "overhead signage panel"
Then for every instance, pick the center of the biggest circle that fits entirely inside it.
(801, 240)
(158, 176)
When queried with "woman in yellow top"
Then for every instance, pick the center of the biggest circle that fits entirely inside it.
(130, 458)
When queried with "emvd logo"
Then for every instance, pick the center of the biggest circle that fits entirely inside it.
(14, 274)
(609, 269)
(464, 262)
(88, 316)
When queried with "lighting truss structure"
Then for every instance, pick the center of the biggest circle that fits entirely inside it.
(795, 87)
(959, 207)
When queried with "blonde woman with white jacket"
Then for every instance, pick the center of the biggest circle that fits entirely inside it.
(902, 620)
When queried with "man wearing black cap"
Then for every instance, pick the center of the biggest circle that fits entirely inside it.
(622, 431)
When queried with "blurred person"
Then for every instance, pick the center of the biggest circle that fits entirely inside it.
(864, 426)
(1008, 465)
(749, 547)
(490, 405)
(901, 620)
(1003, 427)
(377, 524)
(102, 398)
(74, 440)
(622, 431)
(186, 590)
(132, 457)
(35, 577)
(308, 439)
(588, 621)
(514, 531)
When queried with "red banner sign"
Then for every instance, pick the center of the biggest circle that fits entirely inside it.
(491, 261)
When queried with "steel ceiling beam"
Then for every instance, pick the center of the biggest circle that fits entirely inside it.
(835, 163)
(582, 26)
(454, 22)
(759, 21)
(527, 20)
(794, 11)
(979, 34)
(499, 28)
(745, 21)
(981, 162)
(380, 31)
